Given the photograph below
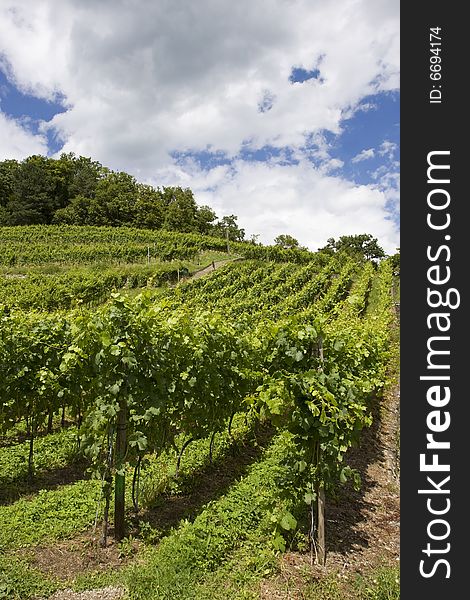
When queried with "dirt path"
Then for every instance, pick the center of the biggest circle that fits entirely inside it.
(210, 268)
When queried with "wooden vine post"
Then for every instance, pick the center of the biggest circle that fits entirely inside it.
(119, 486)
(321, 549)
(320, 538)
(32, 435)
(107, 483)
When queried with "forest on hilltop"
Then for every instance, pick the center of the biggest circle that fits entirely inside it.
(76, 190)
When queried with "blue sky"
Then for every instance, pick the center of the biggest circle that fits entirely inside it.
(295, 132)
(17, 104)
(369, 129)
(375, 121)
(29, 110)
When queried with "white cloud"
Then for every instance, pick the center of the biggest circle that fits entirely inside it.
(363, 155)
(17, 142)
(144, 79)
(271, 199)
(388, 149)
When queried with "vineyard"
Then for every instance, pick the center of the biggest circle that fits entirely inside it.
(69, 245)
(183, 436)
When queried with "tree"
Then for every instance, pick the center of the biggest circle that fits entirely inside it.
(205, 218)
(4, 216)
(363, 245)
(286, 241)
(180, 209)
(117, 194)
(149, 209)
(85, 175)
(227, 227)
(8, 170)
(80, 211)
(79, 191)
(39, 188)
(35, 189)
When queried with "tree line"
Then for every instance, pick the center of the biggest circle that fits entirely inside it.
(76, 190)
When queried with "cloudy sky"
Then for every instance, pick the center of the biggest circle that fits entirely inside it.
(283, 112)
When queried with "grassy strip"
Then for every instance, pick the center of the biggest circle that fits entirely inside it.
(81, 285)
(54, 451)
(18, 581)
(194, 551)
(202, 259)
(240, 576)
(72, 286)
(158, 476)
(49, 515)
(382, 583)
(56, 514)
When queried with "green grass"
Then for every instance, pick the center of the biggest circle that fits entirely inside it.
(239, 577)
(325, 589)
(53, 451)
(230, 539)
(381, 584)
(59, 513)
(206, 258)
(56, 460)
(196, 550)
(18, 581)
(158, 476)
(225, 552)
(51, 514)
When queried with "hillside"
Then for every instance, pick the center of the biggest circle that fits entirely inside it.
(183, 442)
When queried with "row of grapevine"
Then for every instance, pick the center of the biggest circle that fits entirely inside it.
(322, 397)
(256, 289)
(81, 286)
(44, 244)
(39, 253)
(138, 373)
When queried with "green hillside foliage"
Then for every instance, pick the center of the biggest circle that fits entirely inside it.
(75, 190)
